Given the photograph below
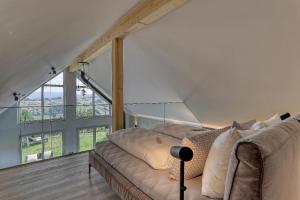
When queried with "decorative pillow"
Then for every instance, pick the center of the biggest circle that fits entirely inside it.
(269, 122)
(147, 145)
(243, 126)
(258, 125)
(273, 120)
(216, 166)
(200, 145)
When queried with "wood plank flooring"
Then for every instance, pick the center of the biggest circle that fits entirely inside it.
(64, 178)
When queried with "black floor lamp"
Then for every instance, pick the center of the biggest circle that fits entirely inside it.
(184, 154)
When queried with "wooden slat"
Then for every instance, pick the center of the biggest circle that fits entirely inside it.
(144, 13)
(117, 84)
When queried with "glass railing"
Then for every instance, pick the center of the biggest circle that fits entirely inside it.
(58, 112)
(148, 115)
(34, 133)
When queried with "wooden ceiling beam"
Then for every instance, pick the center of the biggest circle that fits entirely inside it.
(141, 15)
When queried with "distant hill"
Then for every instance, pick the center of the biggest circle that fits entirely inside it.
(53, 95)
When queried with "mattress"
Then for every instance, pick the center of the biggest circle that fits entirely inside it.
(154, 183)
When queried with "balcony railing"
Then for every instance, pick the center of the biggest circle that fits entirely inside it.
(147, 115)
(32, 133)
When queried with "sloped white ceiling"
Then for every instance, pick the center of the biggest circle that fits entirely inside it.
(227, 60)
(36, 34)
(100, 71)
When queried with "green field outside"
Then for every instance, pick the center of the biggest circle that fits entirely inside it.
(86, 138)
(54, 143)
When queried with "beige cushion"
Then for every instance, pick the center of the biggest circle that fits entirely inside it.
(273, 120)
(243, 126)
(147, 145)
(266, 165)
(244, 175)
(200, 145)
(216, 166)
(269, 122)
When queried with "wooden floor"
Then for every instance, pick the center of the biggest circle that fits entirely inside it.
(64, 178)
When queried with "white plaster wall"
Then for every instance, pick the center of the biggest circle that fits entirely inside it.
(139, 88)
(9, 139)
(226, 60)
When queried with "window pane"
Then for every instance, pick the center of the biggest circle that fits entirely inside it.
(53, 145)
(26, 114)
(34, 99)
(84, 111)
(79, 83)
(86, 139)
(102, 108)
(53, 95)
(57, 80)
(53, 101)
(54, 112)
(31, 107)
(84, 100)
(101, 134)
(31, 148)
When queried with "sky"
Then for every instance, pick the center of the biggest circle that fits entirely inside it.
(55, 92)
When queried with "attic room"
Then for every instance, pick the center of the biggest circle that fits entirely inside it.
(149, 100)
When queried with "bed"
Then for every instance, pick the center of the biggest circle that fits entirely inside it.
(131, 178)
(263, 166)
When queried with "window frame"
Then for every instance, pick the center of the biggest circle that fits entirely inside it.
(93, 102)
(42, 87)
(61, 132)
(94, 135)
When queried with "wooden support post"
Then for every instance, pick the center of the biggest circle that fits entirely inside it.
(117, 85)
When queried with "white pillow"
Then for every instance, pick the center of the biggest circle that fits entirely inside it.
(273, 120)
(147, 145)
(32, 157)
(243, 126)
(47, 154)
(269, 122)
(216, 166)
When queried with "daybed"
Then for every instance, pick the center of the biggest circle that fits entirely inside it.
(263, 166)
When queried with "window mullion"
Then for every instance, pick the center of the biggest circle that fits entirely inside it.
(94, 106)
(94, 137)
(42, 104)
